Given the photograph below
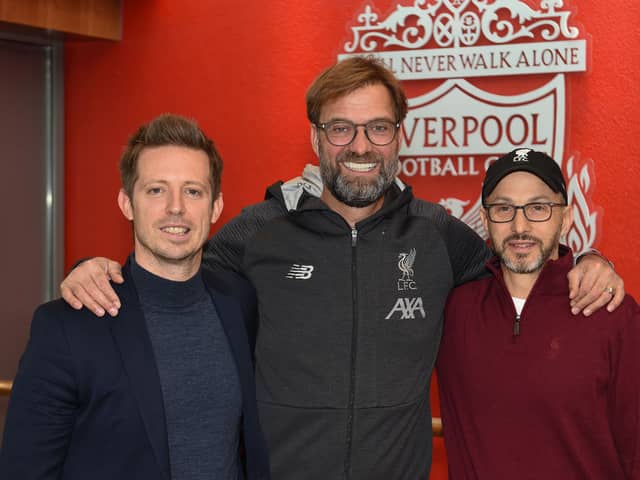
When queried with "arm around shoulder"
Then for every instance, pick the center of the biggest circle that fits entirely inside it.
(225, 250)
(468, 252)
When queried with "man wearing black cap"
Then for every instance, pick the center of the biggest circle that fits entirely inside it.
(527, 389)
(352, 273)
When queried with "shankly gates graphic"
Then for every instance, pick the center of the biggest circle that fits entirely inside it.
(455, 130)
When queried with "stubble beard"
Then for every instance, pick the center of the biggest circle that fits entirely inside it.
(161, 253)
(519, 264)
(357, 191)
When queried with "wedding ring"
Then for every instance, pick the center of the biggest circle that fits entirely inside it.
(609, 290)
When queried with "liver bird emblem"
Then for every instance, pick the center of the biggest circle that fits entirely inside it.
(405, 264)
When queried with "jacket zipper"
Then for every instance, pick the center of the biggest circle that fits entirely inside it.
(516, 326)
(354, 348)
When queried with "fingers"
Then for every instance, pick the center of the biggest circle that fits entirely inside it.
(618, 294)
(575, 277)
(582, 289)
(101, 293)
(69, 296)
(114, 270)
(608, 290)
(591, 302)
(594, 284)
(88, 285)
(85, 294)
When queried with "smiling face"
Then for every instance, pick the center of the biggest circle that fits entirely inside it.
(172, 210)
(524, 246)
(357, 174)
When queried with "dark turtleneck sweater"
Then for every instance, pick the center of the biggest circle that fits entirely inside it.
(200, 385)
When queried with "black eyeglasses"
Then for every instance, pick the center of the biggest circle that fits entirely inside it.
(534, 212)
(342, 132)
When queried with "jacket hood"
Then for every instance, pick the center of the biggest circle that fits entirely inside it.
(304, 192)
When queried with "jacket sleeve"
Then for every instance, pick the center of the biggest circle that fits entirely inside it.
(624, 388)
(250, 312)
(225, 250)
(42, 407)
(245, 294)
(467, 251)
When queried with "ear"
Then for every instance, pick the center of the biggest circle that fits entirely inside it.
(567, 220)
(218, 205)
(315, 139)
(124, 202)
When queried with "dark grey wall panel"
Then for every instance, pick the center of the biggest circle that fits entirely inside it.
(30, 190)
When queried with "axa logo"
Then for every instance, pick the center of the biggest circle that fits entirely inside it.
(300, 272)
(405, 265)
(407, 308)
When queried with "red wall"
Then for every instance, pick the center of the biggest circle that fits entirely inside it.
(242, 69)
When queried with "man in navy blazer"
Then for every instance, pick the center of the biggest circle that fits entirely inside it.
(166, 389)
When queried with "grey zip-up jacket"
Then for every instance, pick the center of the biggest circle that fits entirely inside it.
(349, 327)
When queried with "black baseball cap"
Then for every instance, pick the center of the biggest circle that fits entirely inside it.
(525, 160)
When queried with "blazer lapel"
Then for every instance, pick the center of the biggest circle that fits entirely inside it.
(130, 333)
(232, 320)
(233, 325)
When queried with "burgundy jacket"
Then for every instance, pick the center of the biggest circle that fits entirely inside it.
(559, 400)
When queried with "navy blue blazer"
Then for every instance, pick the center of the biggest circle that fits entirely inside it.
(87, 403)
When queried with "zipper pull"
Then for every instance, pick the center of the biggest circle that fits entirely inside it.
(516, 326)
(354, 237)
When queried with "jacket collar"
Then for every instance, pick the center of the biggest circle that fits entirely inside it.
(232, 323)
(301, 195)
(130, 333)
(552, 279)
(132, 338)
(309, 183)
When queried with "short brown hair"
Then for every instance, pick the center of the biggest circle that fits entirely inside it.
(164, 130)
(351, 74)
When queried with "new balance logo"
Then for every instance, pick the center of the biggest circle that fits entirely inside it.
(300, 272)
(407, 308)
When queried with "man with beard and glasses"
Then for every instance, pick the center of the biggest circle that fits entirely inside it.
(351, 279)
(528, 390)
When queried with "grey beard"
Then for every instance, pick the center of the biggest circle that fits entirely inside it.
(545, 254)
(357, 193)
(520, 268)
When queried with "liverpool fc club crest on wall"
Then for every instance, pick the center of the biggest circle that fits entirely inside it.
(483, 77)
